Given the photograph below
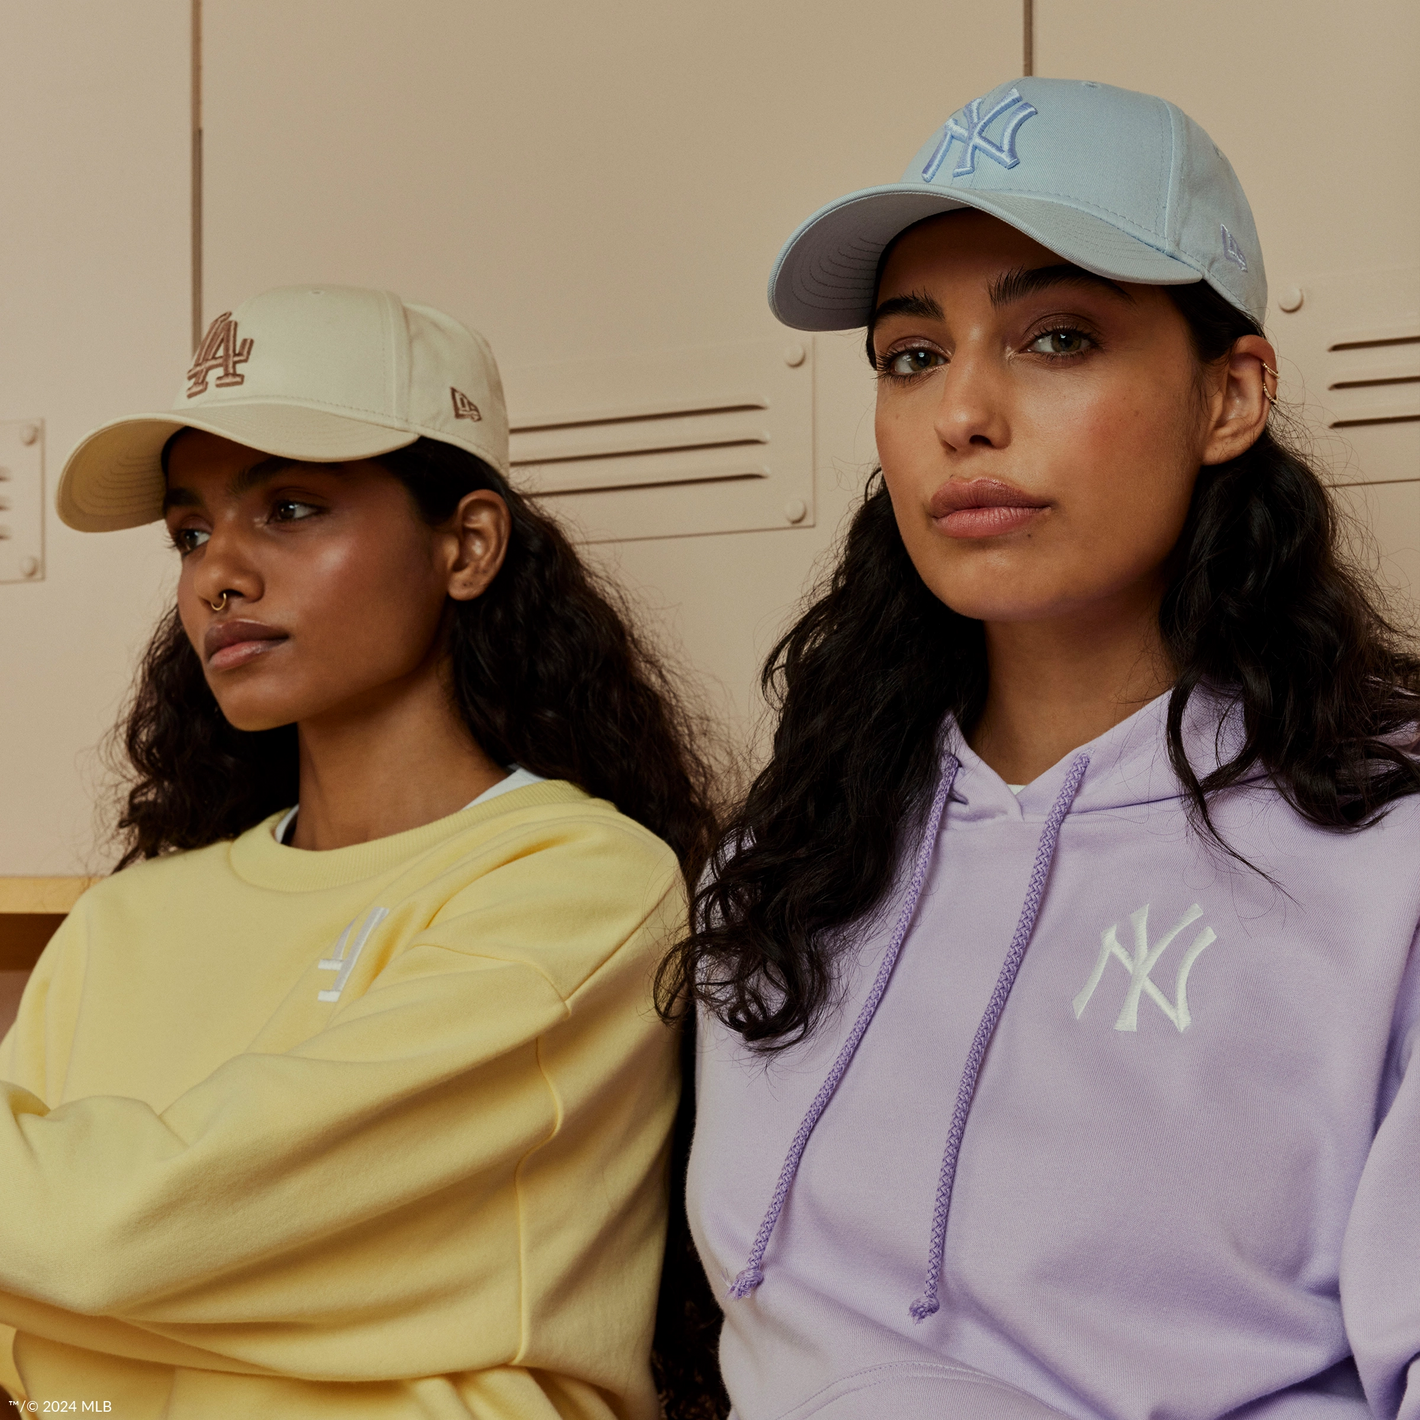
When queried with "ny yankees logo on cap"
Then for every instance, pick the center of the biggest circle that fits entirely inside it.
(220, 350)
(974, 140)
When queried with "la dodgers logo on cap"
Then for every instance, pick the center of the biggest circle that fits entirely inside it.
(221, 349)
(973, 137)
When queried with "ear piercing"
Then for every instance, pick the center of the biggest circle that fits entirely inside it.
(1275, 376)
(218, 606)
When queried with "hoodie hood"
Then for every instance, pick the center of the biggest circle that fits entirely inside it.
(1129, 764)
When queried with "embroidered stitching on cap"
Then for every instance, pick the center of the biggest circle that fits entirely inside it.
(1139, 966)
(1231, 250)
(220, 350)
(464, 407)
(974, 139)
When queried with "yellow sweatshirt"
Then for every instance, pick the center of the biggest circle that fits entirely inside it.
(377, 1132)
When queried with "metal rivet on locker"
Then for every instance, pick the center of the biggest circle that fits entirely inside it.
(29, 433)
(1291, 299)
(795, 355)
(29, 567)
(796, 510)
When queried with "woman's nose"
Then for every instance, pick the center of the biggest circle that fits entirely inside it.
(227, 571)
(973, 409)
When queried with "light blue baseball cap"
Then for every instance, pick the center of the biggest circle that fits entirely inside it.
(1125, 185)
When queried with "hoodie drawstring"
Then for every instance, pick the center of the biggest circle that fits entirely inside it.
(751, 1275)
(927, 1303)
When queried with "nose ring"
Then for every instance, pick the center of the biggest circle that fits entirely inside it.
(218, 606)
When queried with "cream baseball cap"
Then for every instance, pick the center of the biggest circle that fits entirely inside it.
(319, 373)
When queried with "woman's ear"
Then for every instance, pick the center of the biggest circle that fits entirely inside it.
(478, 532)
(1240, 399)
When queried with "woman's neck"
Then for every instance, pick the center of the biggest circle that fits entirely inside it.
(1055, 685)
(397, 760)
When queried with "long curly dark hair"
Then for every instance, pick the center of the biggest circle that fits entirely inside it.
(548, 673)
(1263, 602)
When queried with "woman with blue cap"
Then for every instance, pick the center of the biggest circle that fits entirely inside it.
(1057, 972)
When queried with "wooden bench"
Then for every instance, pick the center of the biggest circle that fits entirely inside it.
(31, 910)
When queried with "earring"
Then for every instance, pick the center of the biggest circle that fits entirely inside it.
(1275, 376)
(218, 606)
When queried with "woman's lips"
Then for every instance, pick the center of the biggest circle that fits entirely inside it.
(984, 507)
(988, 521)
(233, 643)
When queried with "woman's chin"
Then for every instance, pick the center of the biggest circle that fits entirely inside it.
(1025, 593)
(254, 718)
(1005, 605)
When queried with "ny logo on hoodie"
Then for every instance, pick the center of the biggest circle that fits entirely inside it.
(1143, 961)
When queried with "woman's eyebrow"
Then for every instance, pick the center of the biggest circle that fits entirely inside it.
(179, 498)
(243, 481)
(1028, 281)
(1011, 286)
(916, 303)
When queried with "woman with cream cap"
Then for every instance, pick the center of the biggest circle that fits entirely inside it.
(344, 1095)
(1057, 975)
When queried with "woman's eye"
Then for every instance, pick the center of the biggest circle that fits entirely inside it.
(188, 539)
(288, 510)
(916, 361)
(1060, 342)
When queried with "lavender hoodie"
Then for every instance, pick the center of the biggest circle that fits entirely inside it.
(1141, 1126)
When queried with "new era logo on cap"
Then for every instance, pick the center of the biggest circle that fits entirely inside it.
(464, 407)
(1231, 250)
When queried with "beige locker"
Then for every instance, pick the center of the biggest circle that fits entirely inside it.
(95, 321)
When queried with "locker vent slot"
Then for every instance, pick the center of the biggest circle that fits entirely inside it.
(1376, 344)
(1356, 344)
(1375, 419)
(650, 447)
(1377, 381)
(1367, 384)
(716, 439)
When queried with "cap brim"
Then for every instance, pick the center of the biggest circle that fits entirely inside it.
(114, 478)
(825, 275)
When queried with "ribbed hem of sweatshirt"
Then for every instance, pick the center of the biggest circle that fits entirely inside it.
(259, 859)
